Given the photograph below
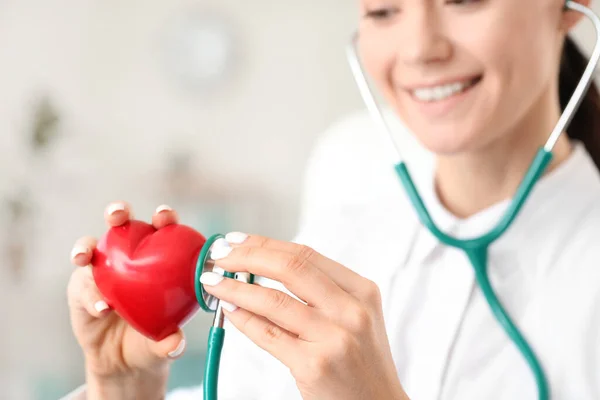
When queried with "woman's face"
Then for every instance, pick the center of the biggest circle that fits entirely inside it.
(462, 74)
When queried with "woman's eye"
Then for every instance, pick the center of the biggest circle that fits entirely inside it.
(381, 13)
(463, 2)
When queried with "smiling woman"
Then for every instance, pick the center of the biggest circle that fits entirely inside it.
(469, 97)
(474, 45)
(488, 290)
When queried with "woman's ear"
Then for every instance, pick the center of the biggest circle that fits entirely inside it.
(571, 18)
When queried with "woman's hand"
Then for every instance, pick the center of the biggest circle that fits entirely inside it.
(120, 362)
(334, 342)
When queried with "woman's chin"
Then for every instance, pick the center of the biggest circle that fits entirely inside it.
(446, 143)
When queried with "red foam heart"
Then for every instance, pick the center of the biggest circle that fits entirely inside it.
(147, 275)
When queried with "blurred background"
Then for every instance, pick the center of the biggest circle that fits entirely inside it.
(210, 107)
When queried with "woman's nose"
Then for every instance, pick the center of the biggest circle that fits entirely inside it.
(424, 41)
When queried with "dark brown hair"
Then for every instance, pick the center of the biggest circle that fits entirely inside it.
(585, 125)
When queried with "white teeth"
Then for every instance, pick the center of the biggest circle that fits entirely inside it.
(438, 93)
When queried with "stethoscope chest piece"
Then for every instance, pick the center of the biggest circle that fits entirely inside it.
(207, 301)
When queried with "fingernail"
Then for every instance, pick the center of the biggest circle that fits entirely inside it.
(78, 250)
(220, 249)
(114, 207)
(211, 278)
(178, 350)
(101, 306)
(236, 237)
(228, 306)
(162, 208)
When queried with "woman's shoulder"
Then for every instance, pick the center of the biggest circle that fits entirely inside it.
(357, 137)
(351, 161)
(578, 209)
(582, 241)
(574, 262)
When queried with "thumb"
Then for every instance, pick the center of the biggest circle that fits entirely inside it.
(171, 347)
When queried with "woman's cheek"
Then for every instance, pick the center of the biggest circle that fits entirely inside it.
(377, 56)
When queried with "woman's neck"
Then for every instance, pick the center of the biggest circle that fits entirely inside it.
(471, 182)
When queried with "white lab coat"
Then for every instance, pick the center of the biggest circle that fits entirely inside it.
(445, 342)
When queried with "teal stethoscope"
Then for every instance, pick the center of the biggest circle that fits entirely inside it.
(476, 249)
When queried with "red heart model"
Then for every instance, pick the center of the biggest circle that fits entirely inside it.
(147, 275)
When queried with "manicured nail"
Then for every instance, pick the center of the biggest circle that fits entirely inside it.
(228, 306)
(178, 350)
(236, 237)
(211, 278)
(162, 208)
(114, 207)
(101, 306)
(220, 249)
(78, 250)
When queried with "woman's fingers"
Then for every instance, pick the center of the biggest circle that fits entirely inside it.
(91, 299)
(83, 295)
(173, 346)
(348, 280)
(268, 336)
(117, 213)
(275, 305)
(163, 216)
(81, 254)
(293, 270)
(146, 354)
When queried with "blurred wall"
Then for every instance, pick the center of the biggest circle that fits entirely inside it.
(102, 100)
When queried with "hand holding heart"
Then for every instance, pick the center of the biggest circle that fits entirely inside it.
(333, 341)
(120, 362)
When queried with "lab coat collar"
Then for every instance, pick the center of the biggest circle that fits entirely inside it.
(553, 194)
